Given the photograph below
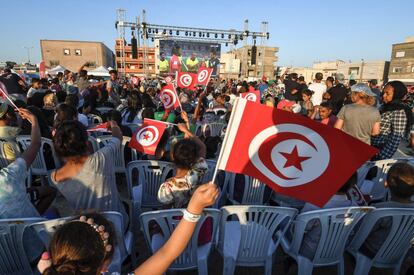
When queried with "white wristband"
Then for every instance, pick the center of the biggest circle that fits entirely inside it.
(190, 217)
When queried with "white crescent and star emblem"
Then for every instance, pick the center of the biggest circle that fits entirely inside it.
(186, 80)
(202, 76)
(147, 136)
(298, 154)
(251, 97)
(168, 98)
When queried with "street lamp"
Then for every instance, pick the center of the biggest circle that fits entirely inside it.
(28, 53)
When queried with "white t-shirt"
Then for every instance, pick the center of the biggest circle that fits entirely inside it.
(319, 89)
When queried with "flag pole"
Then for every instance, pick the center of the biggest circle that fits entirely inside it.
(225, 140)
(176, 81)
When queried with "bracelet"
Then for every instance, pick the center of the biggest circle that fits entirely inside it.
(190, 217)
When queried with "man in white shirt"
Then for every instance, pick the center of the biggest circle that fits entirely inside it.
(318, 88)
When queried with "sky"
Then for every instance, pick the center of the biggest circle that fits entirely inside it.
(305, 31)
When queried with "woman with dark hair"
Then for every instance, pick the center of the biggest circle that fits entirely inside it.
(396, 120)
(132, 113)
(87, 181)
(64, 112)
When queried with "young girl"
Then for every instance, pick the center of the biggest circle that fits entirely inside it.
(306, 105)
(85, 246)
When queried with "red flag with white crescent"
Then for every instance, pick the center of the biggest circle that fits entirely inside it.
(135, 80)
(293, 155)
(42, 69)
(251, 96)
(203, 76)
(168, 79)
(186, 80)
(169, 97)
(103, 127)
(147, 137)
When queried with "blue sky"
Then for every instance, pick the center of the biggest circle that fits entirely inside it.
(305, 31)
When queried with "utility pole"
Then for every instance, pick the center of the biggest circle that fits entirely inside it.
(28, 53)
(362, 70)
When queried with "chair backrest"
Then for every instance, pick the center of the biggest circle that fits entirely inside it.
(120, 153)
(39, 166)
(119, 226)
(104, 110)
(132, 126)
(215, 129)
(94, 119)
(335, 226)
(151, 174)
(13, 258)
(399, 221)
(94, 143)
(167, 221)
(379, 192)
(46, 229)
(211, 163)
(253, 192)
(260, 226)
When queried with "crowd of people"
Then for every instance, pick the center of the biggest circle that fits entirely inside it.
(59, 108)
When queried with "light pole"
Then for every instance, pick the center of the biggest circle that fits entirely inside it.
(28, 53)
(362, 70)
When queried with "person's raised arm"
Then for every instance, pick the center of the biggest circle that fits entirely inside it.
(30, 153)
(203, 196)
(196, 114)
(81, 68)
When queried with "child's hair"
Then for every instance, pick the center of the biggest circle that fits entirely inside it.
(307, 92)
(70, 139)
(326, 105)
(64, 112)
(400, 180)
(349, 183)
(186, 153)
(77, 247)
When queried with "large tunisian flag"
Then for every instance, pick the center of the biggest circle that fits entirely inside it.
(147, 137)
(203, 76)
(293, 155)
(252, 96)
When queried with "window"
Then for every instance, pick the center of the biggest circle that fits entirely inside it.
(54, 63)
(78, 52)
(132, 67)
(66, 51)
(400, 54)
(397, 70)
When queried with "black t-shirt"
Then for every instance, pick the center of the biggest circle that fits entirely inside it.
(291, 85)
(338, 94)
(11, 81)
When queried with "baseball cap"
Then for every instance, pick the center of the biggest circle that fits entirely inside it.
(340, 76)
(362, 88)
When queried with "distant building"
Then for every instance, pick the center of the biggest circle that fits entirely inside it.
(364, 71)
(229, 66)
(402, 62)
(136, 66)
(73, 54)
(327, 68)
(266, 59)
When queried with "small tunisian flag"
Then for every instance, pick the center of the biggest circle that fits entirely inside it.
(293, 155)
(103, 127)
(203, 76)
(147, 137)
(252, 96)
(186, 80)
(169, 97)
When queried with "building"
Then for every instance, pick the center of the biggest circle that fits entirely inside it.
(136, 66)
(266, 59)
(306, 72)
(402, 62)
(364, 71)
(229, 66)
(328, 68)
(73, 54)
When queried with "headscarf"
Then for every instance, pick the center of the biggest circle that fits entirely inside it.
(400, 90)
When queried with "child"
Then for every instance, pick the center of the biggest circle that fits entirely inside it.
(306, 105)
(325, 114)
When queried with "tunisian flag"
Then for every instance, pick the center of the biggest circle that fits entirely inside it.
(293, 155)
(252, 96)
(186, 80)
(147, 137)
(169, 97)
(203, 76)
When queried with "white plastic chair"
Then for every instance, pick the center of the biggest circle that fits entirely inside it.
(215, 129)
(143, 190)
(94, 143)
(94, 119)
(253, 192)
(254, 237)
(335, 227)
(120, 153)
(395, 246)
(13, 257)
(194, 256)
(38, 166)
(104, 110)
(379, 192)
